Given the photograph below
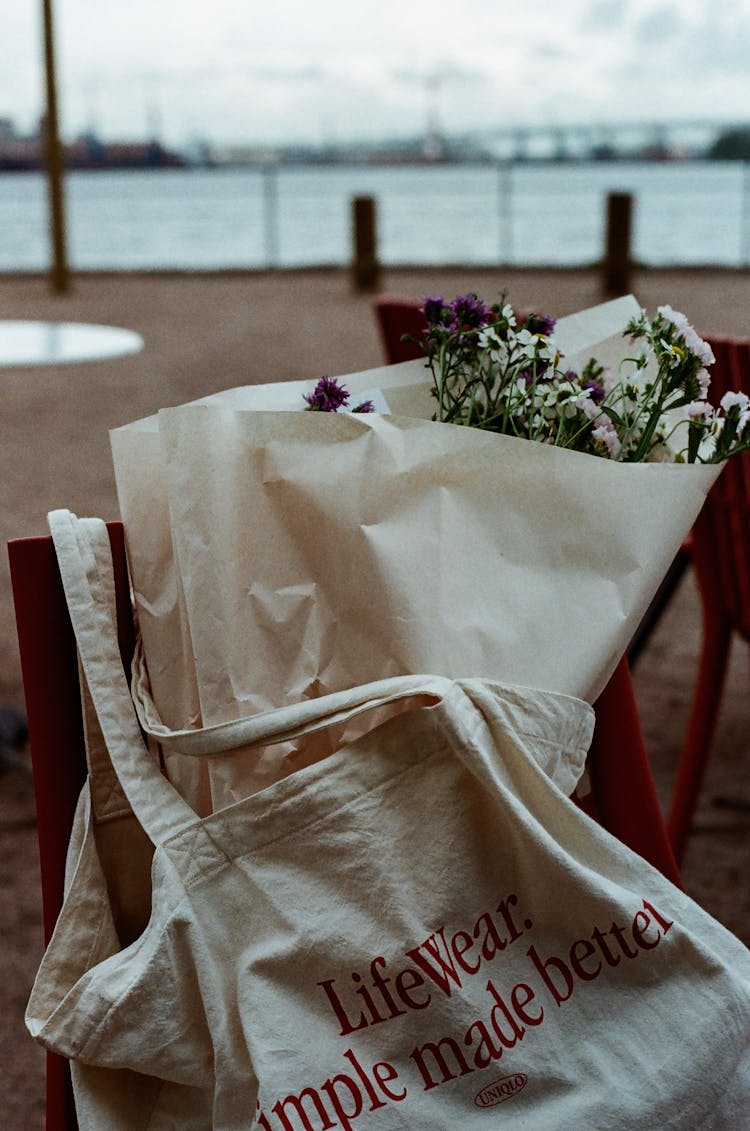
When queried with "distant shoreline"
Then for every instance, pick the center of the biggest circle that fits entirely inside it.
(176, 163)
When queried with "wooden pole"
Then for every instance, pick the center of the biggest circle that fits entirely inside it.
(365, 266)
(617, 258)
(59, 276)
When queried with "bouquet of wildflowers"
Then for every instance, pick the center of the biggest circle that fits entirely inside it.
(492, 373)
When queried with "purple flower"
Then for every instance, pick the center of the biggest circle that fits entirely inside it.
(469, 312)
(597, 392)
(432, 308)
(539, 324)
(364, 406)
(327, 396)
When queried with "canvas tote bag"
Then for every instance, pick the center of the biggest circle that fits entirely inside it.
(419, 930)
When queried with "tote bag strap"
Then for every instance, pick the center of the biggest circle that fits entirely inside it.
(108, 800)
(155, 802)
(282, 724)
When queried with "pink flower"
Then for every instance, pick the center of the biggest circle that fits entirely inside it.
(741, 402)
(590, 408)
(704, 380)
(693, 341)
(730, 399)
(699, 410)
(608, 381)
(607, 437)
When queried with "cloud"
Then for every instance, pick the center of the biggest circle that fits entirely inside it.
(719, 43)
(367, 66)
(603, 15)
(683, 64)
(659, 28)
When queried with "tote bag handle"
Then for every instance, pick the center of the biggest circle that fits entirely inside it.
(281, 724)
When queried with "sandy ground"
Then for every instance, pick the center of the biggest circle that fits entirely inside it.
(209, 332)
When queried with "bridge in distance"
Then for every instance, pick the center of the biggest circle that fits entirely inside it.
(573, 139)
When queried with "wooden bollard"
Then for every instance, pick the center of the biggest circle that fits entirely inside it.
(365, 266)
(617, 260)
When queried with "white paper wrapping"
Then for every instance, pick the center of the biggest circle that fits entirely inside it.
(278, 555)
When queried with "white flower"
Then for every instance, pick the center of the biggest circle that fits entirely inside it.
(527, 341)
(675, 353)
(492, 344)
(489, 338)
(535, 346)
(644, 354)
(707, 446)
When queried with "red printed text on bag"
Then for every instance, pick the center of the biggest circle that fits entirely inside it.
(439, 967)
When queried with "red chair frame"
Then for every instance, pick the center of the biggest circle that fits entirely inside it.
(50, 677)
(720, 550)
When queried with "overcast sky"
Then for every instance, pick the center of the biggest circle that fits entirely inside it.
(334, 70)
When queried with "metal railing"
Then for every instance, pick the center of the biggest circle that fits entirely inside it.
(505, 214)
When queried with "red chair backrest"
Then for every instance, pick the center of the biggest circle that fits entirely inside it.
(398, 318)
(50, 677)
(721, 536)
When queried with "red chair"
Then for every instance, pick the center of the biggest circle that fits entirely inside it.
(721, 559)
(50, 677)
